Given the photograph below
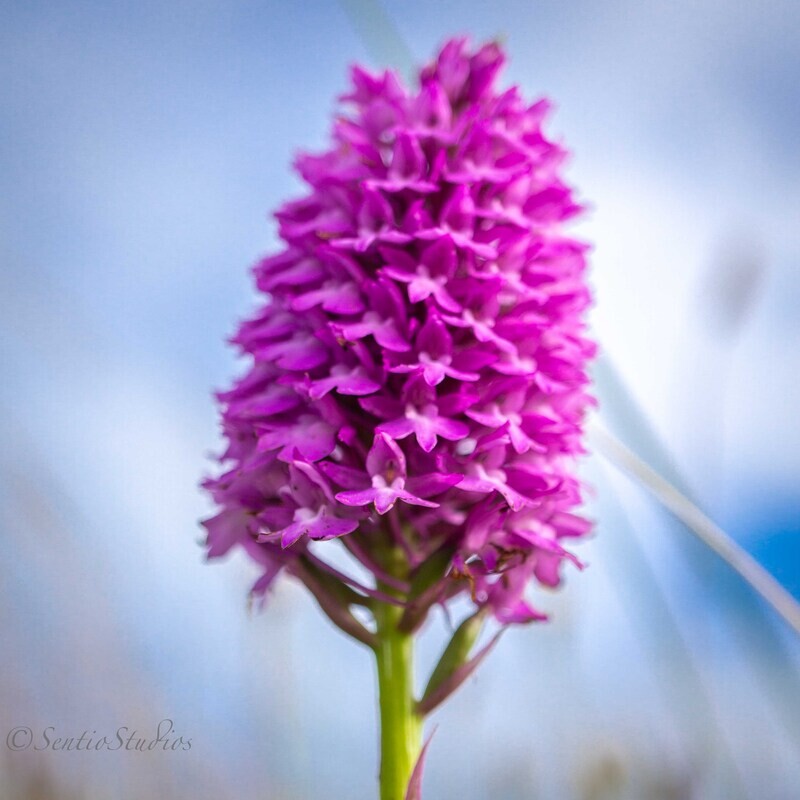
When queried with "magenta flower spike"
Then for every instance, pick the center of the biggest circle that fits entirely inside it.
(417, 378)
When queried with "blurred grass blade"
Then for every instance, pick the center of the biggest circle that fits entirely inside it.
(376, 29)
(698, 523)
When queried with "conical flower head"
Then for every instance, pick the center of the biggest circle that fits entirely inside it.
(418, 361)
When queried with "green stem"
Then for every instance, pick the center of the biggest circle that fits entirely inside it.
(401, 726)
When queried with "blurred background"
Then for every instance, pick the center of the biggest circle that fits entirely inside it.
(143, 146)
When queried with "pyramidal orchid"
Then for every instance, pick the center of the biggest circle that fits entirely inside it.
(417, 378)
